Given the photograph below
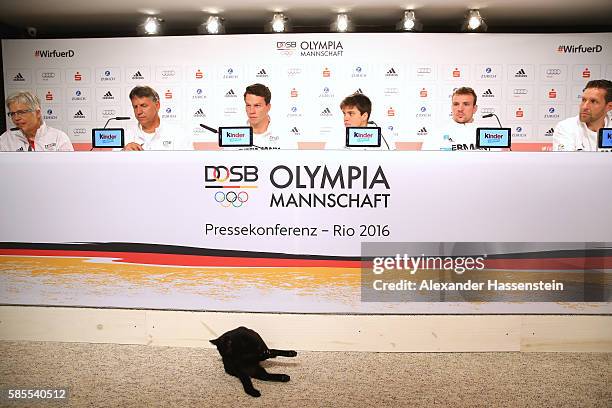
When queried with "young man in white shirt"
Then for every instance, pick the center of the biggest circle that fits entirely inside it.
(580, 132)
(150, 133)
(460, 132)
(31, 133)
(257, 105)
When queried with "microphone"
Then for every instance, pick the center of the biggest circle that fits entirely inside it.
(14, 129)
(117, 118)
(371, 122)
(488, 115)
(209, 128)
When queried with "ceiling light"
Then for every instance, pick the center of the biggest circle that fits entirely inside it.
(213, 25)
(342, 24)
(409, 22)
(279, 24)
(151, 26)
(474, 22)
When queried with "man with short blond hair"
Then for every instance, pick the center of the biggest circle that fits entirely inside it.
(460, 132)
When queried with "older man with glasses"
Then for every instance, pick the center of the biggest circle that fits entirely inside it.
(31, 132)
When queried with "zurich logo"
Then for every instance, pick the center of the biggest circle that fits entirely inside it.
(358, 69)
(168, 110)
(230, 71)
(294, 109)
(551, 110)
(390, 128)
(49, 111)
(78, 93)
(488, 70)
(199, 91)
(519, 129)
(423, 109)
(107, 73)
(326, 89)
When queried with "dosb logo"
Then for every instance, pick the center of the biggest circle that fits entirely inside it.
(286, 47)
(216, 177)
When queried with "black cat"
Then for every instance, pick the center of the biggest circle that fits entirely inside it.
(241, 350)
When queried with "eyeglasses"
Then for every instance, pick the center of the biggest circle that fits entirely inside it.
(18, 113)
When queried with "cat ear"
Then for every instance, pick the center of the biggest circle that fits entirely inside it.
(215, 342)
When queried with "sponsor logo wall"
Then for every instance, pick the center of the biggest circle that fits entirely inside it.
(530, 81)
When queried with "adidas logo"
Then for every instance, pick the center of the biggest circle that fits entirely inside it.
(295, 131)
(108, 95)
(230, 94)
(521, 74)
(79, 115)
(550, 132)
(199, 113)
(326, 112)
(137, 75)
(19, 77)
(262, 73)
(488, 94)
(391, 72)
(358, 91)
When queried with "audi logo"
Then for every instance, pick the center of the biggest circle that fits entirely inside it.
(231, 198)
(520, 91)
(553, 72)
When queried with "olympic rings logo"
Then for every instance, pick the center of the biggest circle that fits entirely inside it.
(231, 198)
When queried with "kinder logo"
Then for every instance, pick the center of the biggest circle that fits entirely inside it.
(492, 136)
(137, 76)
(53, 54)
(579, 49)
(230, 94)
(18, 78)
(391, 73)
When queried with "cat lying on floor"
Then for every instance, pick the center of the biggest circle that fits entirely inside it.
(241, 350)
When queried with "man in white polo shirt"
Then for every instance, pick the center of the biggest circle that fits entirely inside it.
(460, 132)
(580, 132)
(257, 105)
(150, 133)
(31, 133)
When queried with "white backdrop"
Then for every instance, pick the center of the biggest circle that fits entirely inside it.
(529, 81)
